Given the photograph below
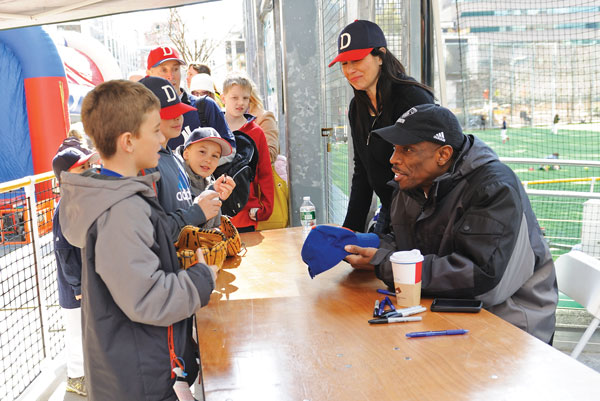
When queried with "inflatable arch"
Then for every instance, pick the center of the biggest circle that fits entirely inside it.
(87, 63)
(34, 115)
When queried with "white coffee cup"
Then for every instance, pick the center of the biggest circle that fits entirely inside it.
(407, 267)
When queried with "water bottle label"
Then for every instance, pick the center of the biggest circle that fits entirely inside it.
(311, 215)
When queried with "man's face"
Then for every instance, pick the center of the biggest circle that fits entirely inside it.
(189, 75)
(169, 70)
(416, 165)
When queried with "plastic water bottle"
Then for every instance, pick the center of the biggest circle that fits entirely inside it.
(308, 215)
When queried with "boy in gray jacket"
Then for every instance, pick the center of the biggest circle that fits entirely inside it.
(136, 300)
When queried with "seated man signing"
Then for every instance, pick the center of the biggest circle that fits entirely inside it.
(471, 219)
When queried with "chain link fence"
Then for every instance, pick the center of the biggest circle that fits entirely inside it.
(30, 319)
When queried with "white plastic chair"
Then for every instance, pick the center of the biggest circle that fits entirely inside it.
(578, 276)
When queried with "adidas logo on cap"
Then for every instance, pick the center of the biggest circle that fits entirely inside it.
(440, 137)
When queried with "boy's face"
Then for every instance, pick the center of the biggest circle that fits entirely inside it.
(80, 169)
(203, 157)
(148, 142)
(171, 128)
(169, 70)
(236, 101)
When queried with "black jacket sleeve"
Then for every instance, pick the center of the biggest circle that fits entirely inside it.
(361, 192)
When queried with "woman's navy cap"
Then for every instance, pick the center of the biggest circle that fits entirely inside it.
(357, 40)
(425, 122)
(324, 246)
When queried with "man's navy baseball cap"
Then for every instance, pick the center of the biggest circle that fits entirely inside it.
(208, 134)
(160, 54)
(170, 104)
(425, 122)
(72, 157)
(357, 40)
(324, 246)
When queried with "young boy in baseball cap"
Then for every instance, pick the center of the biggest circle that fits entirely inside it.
(173, 189)
(201, 154)
(74, 159)
(165, 62)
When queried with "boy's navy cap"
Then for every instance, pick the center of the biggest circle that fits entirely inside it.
(170, 103)
(324, 246)
(425, 122)
(159, 55)
(357, 40)
(71, 157)
(208, 134)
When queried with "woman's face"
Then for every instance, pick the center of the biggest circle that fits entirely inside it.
(363, 74)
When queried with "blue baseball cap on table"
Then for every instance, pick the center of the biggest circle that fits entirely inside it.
(324, 246)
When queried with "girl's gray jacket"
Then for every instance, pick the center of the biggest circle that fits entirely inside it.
(132, 287)
(480, 239)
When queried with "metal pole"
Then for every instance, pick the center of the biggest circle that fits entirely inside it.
(440, 44)
(37, 257)
(491, 89)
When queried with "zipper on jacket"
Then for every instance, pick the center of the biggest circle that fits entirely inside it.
(372, 125)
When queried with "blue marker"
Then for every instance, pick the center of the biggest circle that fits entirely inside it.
(436, 333)
(386, 292)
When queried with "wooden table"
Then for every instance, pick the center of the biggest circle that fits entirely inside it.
(272, 333)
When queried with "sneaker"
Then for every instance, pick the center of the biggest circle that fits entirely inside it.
(77, 385)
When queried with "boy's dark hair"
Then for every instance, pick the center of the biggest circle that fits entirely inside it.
(200, 68)
(113, 108)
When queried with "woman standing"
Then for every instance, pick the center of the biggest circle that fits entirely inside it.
(382, 93)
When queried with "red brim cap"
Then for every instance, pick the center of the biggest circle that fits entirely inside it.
(92, 158)
(351, 55)
(170, 112)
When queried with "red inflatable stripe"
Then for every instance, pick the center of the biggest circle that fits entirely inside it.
(48, 113)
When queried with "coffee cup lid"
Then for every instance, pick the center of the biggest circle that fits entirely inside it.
(413, 256)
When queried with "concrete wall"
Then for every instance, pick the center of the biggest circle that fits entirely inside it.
(302, 104)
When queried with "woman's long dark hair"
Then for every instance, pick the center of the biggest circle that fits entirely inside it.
(392, 72)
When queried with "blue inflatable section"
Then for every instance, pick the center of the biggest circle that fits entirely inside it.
(24, 53)
(15, 146)
(36, 51)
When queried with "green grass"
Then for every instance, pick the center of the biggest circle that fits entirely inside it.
(560, 217)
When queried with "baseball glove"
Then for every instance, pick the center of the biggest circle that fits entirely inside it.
(233, 241)
(212, 243)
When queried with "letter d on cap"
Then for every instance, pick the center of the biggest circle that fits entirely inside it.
(170, 92)
(345, 40)
(167, 51)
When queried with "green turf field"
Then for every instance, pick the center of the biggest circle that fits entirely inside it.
(560, 217)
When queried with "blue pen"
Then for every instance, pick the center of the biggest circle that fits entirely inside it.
(386, 292)
(436, 333)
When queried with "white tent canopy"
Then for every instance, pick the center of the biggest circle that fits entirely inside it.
(19, 13)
